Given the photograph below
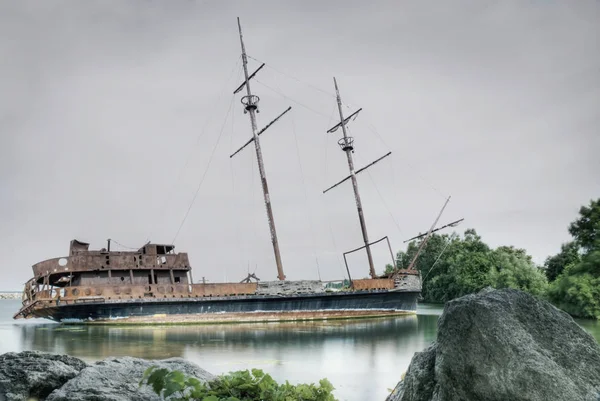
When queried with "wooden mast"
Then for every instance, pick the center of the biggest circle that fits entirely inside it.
(347, 146)
(250, 103)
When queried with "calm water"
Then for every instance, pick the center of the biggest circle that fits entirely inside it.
(362, 358)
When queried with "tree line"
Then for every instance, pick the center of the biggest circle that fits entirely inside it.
(453, 265)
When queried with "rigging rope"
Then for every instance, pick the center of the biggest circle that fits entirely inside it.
(384, 202)
(372, 128)
(416, 170)
(341, 267)
(205, 171)
(236, 227)
(348, 106)
(189, 157)
(254, 161)
(290, 99)
(233, 192)
(440, 255)
(113, 241)
(294, 78)
(305, 195)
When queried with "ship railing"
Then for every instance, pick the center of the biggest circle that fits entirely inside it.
(96, 293)
(126, 261)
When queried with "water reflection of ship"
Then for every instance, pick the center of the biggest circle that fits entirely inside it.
(156, 342)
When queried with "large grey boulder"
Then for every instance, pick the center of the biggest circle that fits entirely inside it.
(504, 345)
(33, 375)
(116, 379)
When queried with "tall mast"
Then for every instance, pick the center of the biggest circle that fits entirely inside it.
(250, 103)
(347, 146)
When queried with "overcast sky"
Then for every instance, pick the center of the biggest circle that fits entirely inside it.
(110, 111)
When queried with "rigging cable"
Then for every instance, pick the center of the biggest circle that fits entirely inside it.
(341, 267)
(305, 196)
(236, 226)
(371, 127)
(439, 256)
(290, 99)
(187, 161)
(294, 78)
(384, 202)
(306, 203)
(206, 170)
(233, 193)
(113, 241)
(374, 130)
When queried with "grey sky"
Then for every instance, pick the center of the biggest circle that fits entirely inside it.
(102, 103)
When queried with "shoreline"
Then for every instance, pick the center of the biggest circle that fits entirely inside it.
(10, 295)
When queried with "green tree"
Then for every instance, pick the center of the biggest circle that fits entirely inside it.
(389, 269)
(513, 268)
(469, 265)
(577, 289)
(452, 266)
(554, 265)
(586, 229)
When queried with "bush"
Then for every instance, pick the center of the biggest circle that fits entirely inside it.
(242, 385)
(577, 289)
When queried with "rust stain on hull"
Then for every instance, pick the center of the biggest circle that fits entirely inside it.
(253, 317)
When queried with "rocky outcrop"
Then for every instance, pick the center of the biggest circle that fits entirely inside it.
(504, 345)
(116, 379)
(34, 375)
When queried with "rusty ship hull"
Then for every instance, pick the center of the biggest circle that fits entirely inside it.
(338, 305)
(154, 285)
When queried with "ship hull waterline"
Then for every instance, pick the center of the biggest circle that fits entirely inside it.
(241, 309)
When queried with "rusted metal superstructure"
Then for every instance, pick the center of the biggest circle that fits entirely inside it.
(154, 271)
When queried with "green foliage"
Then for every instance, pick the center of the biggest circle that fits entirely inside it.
(452, 266)
(555, 265)
(342, 284)
(513, 268)
(577, 289)
(389, 269)
(586, 229)
(243, 385)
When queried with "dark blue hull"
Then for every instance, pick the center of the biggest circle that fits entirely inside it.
(237, 309)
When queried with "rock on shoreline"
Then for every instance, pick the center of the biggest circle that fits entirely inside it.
(31, 374)
(116, 379)
(41, 376)
(504, 345)
(492, 346)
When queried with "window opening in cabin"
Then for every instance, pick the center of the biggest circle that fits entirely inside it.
(178, 279)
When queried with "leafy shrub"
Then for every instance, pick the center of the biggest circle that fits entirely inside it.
(242, 385)
(577, 289)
